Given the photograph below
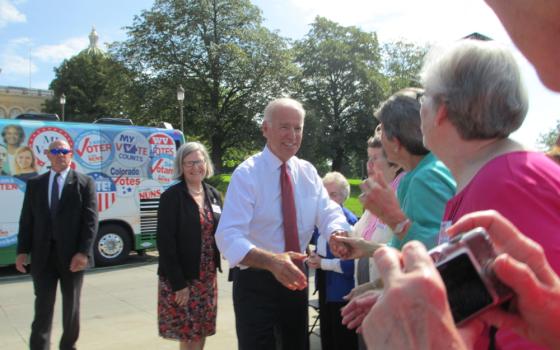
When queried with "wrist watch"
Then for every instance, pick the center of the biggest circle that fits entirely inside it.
(401, 226)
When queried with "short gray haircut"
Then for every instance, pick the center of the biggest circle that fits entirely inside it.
(184, 151)
(481, 85)
(339, 180)
(400, 118)
(282, 102)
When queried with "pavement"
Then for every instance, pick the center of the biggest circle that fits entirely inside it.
(118, 310)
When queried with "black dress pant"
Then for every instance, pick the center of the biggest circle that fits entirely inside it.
(45, 281)
(334, 335)
(268, 315)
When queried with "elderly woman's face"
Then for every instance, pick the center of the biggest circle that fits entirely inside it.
(377, 163)
(335, 192)
(194, 167)
(390, 147)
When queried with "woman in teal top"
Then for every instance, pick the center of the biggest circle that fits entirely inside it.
(416, 211)
(422, 194)
(428, 184)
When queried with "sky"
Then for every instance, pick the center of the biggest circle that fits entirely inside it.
(37, 35)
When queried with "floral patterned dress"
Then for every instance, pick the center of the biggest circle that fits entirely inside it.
(197, 319)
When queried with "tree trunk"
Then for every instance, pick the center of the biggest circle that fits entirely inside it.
(216, 154)
(338, 160)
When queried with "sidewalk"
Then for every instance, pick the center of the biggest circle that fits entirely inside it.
(118, 312)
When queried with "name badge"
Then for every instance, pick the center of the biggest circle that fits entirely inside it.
(216, 209)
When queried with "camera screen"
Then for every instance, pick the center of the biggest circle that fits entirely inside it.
(466, 292)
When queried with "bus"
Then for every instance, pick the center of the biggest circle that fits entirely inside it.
(131, 167)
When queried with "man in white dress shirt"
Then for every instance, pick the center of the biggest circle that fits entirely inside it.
(269, 290)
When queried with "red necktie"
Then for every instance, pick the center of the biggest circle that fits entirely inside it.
(289, 212)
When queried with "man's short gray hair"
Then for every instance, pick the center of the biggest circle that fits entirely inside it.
(481, 85)
(340, 181)
(184, 151)
(282, 102)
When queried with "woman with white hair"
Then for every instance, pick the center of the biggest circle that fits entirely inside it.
(334, 277)
(188, 215)
(474, 99)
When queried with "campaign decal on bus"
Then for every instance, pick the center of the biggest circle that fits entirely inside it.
(94, 149)
(126, 179)
(162, 144)
(149, 189)
(161, 170)
(132, 149)
(12, 191)
(106, 191)
(41, 138)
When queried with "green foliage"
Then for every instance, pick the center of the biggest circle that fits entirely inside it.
(550, 138)
(340, 84)
(402, 62)
(228, 63)
(220, 181)
(95, 85)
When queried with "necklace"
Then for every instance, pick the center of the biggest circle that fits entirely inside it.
(196, 193)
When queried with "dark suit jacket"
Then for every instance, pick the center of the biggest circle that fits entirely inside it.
(73, 228)
(179, 234)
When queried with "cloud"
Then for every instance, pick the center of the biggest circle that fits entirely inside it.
(58, 52)
(9, 13)
(13, 64)
(419, 21)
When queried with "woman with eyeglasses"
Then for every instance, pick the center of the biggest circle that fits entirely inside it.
(25, 164)
(188, 215)
(474, 100)
(415, 212)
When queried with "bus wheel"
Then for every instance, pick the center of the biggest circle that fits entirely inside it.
(112, 245)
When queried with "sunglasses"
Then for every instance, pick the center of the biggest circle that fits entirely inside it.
(57, 151)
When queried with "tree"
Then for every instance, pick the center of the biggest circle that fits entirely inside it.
(550, 138)
(341, 82)
(402, 62)
(95, 85)
(228, 63)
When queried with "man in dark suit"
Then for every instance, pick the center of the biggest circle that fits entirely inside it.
(57, 227)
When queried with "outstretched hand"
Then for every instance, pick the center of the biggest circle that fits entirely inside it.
(285, 270)
(352, 247)
(356, 310)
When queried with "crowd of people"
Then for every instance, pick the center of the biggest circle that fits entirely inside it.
(440, 164)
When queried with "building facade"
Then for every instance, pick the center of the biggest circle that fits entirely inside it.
(17, 100)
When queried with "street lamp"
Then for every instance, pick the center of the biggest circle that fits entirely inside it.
(62, 103)
(181, 98)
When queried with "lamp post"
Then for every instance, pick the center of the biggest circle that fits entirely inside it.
(181, 98)
(62, 103)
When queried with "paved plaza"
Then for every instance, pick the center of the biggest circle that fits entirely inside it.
(118, 311)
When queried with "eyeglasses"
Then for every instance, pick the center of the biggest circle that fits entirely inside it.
(191, 163)
(57, 151)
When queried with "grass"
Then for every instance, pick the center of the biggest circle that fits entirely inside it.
(353, 203)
